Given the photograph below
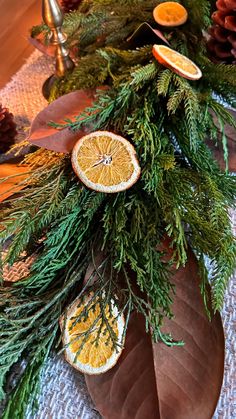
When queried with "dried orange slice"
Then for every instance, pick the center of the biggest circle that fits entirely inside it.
(95, 354)
(176, 62)
(170, 13)
(105, 162)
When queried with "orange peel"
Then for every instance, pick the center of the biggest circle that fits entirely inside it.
(176, 62)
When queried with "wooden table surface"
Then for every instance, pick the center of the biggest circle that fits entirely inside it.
(16, 18)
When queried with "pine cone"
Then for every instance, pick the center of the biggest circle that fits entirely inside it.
(222, 43)
(70, 5)
(8, 130)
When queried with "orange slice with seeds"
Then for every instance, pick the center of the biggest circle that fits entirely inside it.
(170, 13)
(86, 338)
(176, 62)
(105, 162)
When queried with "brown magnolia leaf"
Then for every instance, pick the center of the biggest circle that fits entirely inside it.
(145, 33)
(155, 381)
(189, 378)
(128, 391)
(15, 174)
(67, 106)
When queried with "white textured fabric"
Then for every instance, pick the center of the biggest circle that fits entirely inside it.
(64, 394)
(226, 408)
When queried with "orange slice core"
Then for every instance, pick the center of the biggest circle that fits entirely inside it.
(105, 161)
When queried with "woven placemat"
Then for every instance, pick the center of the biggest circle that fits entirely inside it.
(64, 394)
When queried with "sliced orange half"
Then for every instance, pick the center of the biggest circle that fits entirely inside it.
(95, 354)
(170, 13)
(105, 162)
(176, 62)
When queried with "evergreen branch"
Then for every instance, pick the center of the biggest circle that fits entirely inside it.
(191, 108)
(25, 394)
(129, 57)
(205, 285)
(222, 112)
(221, 73)
(163, 83)
(224, 267)
(37, 30)
(37, 324)
(143, 75)
(175, 100)
(200, 15)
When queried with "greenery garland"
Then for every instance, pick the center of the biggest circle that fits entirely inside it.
(182, 193)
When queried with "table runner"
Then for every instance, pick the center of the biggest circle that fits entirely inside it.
(64, 394)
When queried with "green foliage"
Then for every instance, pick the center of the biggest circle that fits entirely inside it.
(134, 240)
(26, 392)
(29, 325)
(182, 194)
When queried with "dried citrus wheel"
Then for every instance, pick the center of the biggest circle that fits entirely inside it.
(176, 62)
(88, 346)
(105, 162)
(170, 13)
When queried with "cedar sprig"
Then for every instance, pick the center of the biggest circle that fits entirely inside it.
(24, 397)
(30, 325)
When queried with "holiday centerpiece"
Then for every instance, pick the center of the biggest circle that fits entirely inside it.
(126, 214)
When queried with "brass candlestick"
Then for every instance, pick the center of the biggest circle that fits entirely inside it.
(53, 18)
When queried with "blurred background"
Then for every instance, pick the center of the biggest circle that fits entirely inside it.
(16, 18)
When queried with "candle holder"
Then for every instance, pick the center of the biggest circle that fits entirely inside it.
(53, 18)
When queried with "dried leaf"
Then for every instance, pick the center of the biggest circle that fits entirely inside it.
(67, 106)
(189, 378)
(154, 381)
(38, 43)
(129, 389)
(146, 34)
